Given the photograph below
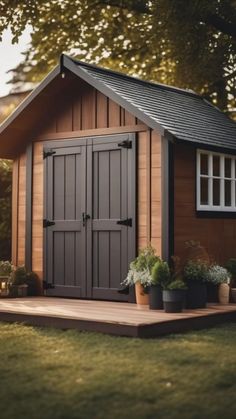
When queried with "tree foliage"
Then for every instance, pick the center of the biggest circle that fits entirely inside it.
(191, 44)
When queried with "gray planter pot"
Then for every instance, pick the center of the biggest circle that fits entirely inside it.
(155, 297)
(233, 295)
(173, 300)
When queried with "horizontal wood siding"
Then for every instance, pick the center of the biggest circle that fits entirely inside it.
(217, 235)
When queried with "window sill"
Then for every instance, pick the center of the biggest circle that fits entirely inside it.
(215, 214)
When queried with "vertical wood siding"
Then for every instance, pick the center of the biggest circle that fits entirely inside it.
(21, 210)
(149, 190)
(37, 212)
(15, 197)
(84, 109)
(217, 235)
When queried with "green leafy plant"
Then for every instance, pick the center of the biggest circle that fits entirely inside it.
(195, 271)
(178, 284)
(218, 275)
(231, 267)
(160, 273)
(6, 268)
(18, 276)
(141, 267)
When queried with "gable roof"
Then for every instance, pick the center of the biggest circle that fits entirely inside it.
(183, 113)
(169, 110)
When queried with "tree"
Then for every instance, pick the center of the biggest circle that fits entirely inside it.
(191, 44)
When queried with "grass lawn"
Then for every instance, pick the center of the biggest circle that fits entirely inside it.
(51, 374)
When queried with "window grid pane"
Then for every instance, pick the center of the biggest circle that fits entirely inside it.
(217, 184)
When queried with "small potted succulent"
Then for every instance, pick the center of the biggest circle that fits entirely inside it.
(195, 276)
(18, 285)
(6, 269)
(220, 277)
(139, 274)
(160, 279)
(231, 268)
(174, 296)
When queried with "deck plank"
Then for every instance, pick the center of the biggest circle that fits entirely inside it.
(110, 317)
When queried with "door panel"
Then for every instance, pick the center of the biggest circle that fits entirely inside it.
(109, 203)
(89, 258)
(65, 198)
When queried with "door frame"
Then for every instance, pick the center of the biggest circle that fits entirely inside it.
(131, 189)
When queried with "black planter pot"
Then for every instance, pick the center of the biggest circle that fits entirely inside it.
(155, 297)
(212, 293)
(196, 295)
(173, 300)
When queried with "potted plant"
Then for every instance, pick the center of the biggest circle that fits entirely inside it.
(160, 279)
(174, 296)
(32, 282)
(231, 267)
(221, 278)
(5, 271)
(139, 274)
(195, 276)
(18, 286)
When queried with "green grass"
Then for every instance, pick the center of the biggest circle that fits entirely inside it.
(51, 374)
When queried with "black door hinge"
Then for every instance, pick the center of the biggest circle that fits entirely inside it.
(127, 222)
(48, 152)
(47, 223)
(125, 144)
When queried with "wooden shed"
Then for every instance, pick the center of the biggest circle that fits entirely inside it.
(105, 164)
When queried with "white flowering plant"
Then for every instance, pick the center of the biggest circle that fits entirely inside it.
(140, 268)
(218, 275)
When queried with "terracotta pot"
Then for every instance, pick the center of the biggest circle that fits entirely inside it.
(224, 294)
(142, 298)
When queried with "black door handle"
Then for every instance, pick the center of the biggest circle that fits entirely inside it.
(85, 217)
(47, 223)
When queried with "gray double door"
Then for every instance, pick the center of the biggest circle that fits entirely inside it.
(89, 216)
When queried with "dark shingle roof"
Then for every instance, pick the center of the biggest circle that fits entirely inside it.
(184, 114)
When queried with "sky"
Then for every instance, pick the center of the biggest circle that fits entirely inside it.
(10, 56)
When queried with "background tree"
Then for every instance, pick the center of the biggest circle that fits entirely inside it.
(191, 44)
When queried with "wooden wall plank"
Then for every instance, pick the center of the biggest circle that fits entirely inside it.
(65, 115)
(15, 196)
(141, 187)
(37, 217)
(21, 211)
(88, 108)
(148, 185)
(102, 111)
(77, 113)
(156, 192)
(114, 114)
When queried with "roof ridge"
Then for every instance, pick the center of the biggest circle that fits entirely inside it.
(137, 79)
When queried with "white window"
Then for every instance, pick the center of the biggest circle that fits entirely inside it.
(216, 181)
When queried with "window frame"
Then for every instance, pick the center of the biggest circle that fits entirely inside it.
(222, 178)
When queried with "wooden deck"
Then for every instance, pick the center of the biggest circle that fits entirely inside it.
(121, 319)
